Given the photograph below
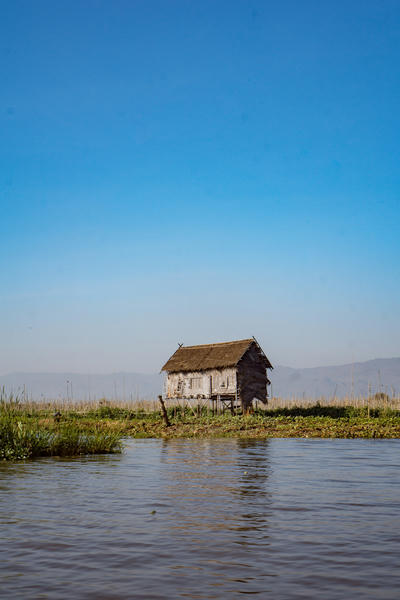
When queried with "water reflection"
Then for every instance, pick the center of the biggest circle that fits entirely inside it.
(204, 519)
(221, 489)
(230, 469)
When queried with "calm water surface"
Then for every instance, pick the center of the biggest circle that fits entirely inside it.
(279, 519)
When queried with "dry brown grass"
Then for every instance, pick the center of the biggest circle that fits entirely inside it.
(375, 401)
(379, 400)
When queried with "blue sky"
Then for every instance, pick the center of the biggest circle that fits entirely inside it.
(194, 172)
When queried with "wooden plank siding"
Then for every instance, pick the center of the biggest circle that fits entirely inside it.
(201, 384)
(252, 380)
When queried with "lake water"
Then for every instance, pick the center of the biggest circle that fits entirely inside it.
(279, 519)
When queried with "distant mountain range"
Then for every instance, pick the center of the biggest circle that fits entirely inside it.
(379, 375)
(372, 376)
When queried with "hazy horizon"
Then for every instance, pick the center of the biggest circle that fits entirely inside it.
(379, 375)
(133, 371)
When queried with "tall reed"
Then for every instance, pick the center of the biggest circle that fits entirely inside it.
(23, 435)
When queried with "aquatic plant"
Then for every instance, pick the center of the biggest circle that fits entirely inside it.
(67, 429)
(25, 434)
(21, 440)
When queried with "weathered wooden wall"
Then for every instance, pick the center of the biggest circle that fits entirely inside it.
(197, 383)
(252, 377)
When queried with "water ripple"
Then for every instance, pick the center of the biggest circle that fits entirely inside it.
(205, 519)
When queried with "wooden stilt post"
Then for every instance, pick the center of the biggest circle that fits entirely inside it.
(164, 411)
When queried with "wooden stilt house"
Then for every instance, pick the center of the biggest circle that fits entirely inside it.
(232, 372)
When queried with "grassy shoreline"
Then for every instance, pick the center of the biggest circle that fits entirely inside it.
(28, 431)
(287, 423)
(25, 434)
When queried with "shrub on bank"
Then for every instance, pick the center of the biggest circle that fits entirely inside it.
(19, 440)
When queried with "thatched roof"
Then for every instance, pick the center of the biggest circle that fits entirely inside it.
(210, 356)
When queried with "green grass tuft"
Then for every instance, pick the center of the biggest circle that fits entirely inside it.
(23, 435)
